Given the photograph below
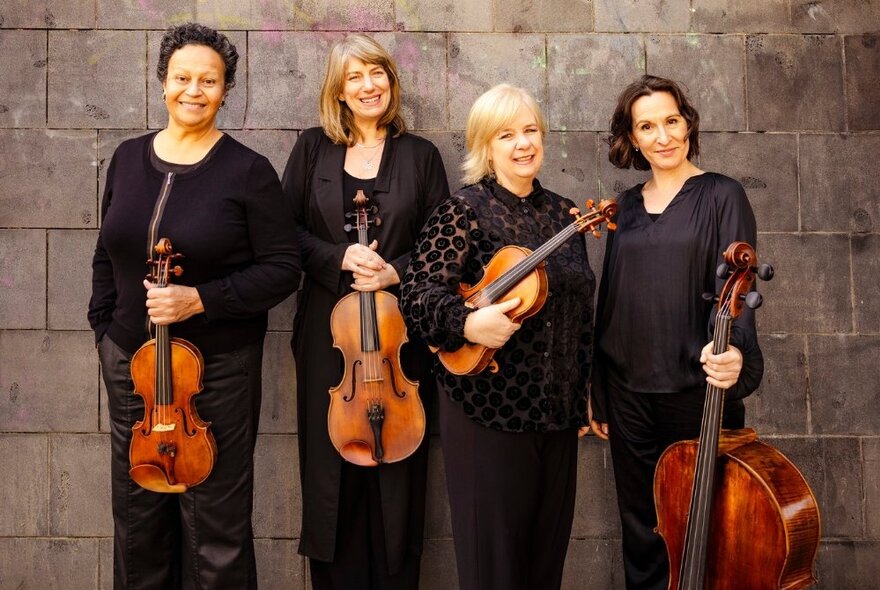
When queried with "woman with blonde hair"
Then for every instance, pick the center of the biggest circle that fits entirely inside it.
(361, 526)
(510, 437)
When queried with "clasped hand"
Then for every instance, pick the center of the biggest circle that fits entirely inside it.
(490, 326)
(172, 304)
(370, 271)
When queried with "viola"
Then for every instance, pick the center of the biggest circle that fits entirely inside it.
(375, 415)
(733, 511)
(172, 448)
(515, 271)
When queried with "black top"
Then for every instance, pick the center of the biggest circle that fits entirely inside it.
(350, 186)
(652, 321)
(229, 220)
(544, 367)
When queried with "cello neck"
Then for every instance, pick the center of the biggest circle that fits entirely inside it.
(693, 562)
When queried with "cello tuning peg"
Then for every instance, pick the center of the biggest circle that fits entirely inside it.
(723, 271)
(765, 272)
(347, 227)
(753, 300)
(377, 221)
(710, 297)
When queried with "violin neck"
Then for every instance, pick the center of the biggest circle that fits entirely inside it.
(497, 288)
(163, 366)
(369, 325)
(693, 563)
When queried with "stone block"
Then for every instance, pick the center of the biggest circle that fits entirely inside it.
(108, 141)
(277, 495)
(583, 89)
(48, 564)
(613, 181)
(79, 485)
(278, 413)
(47, 178)
(711, 68)
(544, 15)
(445, 15)
(812, 279)
(866, 266)
(845, 564)
(96, 79)
(70, 251)
(838, 189)
(22, 78)
(844, 401)
(281, 316)
(784, 69)
(105, 563)
(779, 405)
(595, 509)
(278, 565)
(439, 571)
(650, 15)
(593, 564)
(835, 16)
(570, 165)
(766, 165)
(23, 459)
(113, 14)
(862, 92)
(23, 276)
(51, 380)
(832, 468)
(51, 14)
(438, 518)
(274, 144)
(451, 145)
(479, 62)
(230, 116)
(728, 16)
(871, 466)
(285, 75)
(421, 63)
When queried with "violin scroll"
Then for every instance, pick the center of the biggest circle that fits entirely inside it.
(594, 216)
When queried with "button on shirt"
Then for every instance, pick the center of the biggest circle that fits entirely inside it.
(544, 368)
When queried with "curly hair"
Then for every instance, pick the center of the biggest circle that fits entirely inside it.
(179, 36)
(620, 151)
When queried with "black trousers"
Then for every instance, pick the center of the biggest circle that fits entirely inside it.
(202, 538)
(642, 426)
(512, 500)
(361, 562)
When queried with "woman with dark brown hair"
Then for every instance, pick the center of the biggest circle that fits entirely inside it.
(652, 360)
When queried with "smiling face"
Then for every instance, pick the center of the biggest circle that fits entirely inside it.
(660, 131)
(366, 89)
(516, 152)
(194, 87)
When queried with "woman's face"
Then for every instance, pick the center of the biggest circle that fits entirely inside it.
(194, 87)
(660, 131)
(366, 89)
(517, 152)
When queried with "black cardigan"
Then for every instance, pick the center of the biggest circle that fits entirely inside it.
(229, 220)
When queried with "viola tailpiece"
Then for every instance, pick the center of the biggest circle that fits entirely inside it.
(172, 448)
(733, 511)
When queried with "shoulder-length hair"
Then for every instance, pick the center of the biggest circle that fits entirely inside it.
(494, 110)
(621, 152)
(336, 118)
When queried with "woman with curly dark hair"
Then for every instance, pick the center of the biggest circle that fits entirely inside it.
(220, 204)
(652, 362)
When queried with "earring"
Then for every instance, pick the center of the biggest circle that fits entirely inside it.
(163, 96)
(223, 102)
(636, 148)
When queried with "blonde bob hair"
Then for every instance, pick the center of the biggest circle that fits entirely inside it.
(493, 111)
(336, 118)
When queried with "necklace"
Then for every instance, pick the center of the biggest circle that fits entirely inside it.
(367, 162)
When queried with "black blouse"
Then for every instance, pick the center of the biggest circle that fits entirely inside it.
(652, 321)
(544, 367)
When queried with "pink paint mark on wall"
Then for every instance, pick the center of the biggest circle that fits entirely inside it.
(147, 8)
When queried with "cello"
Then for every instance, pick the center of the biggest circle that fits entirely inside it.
(172, 448)
(734, 512)
(376, 415)
(512, 272)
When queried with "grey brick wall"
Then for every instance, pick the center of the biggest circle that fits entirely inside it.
(790, 104)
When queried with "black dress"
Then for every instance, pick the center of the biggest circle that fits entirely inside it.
(410, 182)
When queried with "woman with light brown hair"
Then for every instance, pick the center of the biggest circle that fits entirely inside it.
(362, 527)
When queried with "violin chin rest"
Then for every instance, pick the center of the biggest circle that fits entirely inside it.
(154, 479)
(359, 453)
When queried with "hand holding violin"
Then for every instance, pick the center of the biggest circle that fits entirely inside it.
(490, 326)
(172, 304)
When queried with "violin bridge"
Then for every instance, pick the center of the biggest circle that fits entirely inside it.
(164, 427)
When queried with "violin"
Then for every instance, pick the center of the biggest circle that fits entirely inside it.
(375, 415)
(515, 271)
(172, 448)
(733, 511)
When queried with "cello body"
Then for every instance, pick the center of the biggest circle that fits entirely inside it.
(764, 530)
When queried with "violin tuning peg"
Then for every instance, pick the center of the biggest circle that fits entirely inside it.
(590, 203)
(765, 272)
(753, 300)
(597, 233)
(723, 271)
(377, 221)
(611, 226)
(347, 227)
